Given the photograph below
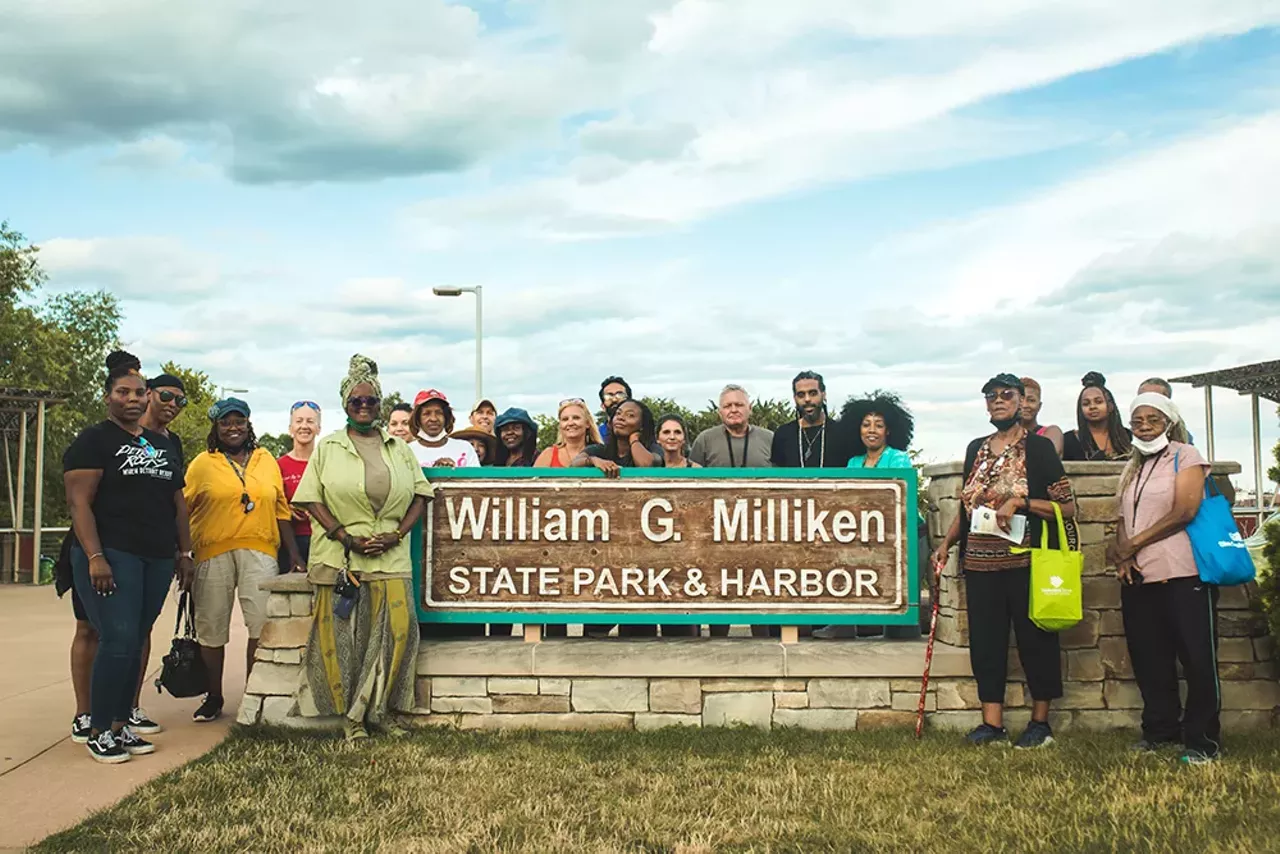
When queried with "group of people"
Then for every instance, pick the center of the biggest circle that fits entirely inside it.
(1168, 612)
(340, 508)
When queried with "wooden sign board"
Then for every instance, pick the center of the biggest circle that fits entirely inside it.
(773, 546)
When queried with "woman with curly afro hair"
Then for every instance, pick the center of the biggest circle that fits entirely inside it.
(880, 431)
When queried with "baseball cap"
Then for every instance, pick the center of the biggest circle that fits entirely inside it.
(227, 406)
(429, 394)
(1005, 380)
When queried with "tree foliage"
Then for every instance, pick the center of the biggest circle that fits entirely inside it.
(192, 424)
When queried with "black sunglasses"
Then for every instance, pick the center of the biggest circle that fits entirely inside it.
(362, 402)
(170, 396)
(1002, 394)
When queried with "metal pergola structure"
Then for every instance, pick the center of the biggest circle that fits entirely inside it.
(18, 408)
(1259, 381)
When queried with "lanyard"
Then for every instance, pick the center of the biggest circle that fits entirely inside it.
(1140, 486)
(245, 501)
(746, 445)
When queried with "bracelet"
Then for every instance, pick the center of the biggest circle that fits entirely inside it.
(333, 534)
(96, 554)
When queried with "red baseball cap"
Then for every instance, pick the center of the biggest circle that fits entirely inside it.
(429, 394)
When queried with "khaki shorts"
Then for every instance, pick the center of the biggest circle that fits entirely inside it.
(218, 581)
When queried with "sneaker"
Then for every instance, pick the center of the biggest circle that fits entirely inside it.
(81, 728)
(1147, 745)
(140, 723)
(1191, 756)
(355, 731)
(104, 748)
(1037, 734)
(987, 734)
(133, 745)
(210, 710)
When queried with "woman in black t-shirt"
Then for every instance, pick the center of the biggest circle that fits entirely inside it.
(632, 442)
(124, 489)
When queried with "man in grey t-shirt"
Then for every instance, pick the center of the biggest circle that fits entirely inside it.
(735, 443)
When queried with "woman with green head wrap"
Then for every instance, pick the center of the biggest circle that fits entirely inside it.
(368, 492)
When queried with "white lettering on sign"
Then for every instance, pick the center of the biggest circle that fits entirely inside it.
(666, 529)
(518, 522)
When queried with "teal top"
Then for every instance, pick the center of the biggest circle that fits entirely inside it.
(892, 458)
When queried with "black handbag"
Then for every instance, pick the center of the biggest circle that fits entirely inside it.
(183, 673)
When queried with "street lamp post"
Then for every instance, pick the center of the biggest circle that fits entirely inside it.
(457, 292)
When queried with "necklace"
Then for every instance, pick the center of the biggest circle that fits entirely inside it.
(245, 501)
(806, 447)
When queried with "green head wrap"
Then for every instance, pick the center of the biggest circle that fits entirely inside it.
(361, 370)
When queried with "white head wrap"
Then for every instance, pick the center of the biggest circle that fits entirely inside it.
(1159, 403)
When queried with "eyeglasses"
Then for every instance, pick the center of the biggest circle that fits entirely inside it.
(1153, 420)
(1005, 394)
(309, 404)
(614, 395)
(364, 402)
(170, 396)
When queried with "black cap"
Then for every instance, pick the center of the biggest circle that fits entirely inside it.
(166, 381)
(1004, 381)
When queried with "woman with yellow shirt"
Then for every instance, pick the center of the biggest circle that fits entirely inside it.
(239, 520)
(367, 491)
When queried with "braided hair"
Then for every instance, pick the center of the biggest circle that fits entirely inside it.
(121, 364)
(1119, 436)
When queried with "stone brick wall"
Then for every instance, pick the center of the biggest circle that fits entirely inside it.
(862, 684)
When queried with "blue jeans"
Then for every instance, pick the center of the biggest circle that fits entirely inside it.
(122, 620)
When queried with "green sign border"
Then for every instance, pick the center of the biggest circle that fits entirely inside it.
(910, 618)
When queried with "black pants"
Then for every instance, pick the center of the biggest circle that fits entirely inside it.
(997, 599)
(1168, 622)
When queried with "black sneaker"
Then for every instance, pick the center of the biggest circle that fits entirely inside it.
(1037, 734)
(141, 724)
(81, 728)
(133, 745)
(1147, 745)
(104, 748)
(987, 734)
(210, 710)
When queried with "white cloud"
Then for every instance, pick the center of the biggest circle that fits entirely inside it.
(148, 268)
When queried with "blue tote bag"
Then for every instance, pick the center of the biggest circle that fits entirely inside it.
(1222, 556)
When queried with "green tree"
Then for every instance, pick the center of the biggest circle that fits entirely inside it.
(548, 427)
(389, 403)
(277, 444)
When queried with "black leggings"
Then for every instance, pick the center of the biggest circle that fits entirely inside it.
(1163, 624)
(995, 600)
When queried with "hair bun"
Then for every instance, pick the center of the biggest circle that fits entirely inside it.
(119, 359)
(1093, 379)
(362, 365)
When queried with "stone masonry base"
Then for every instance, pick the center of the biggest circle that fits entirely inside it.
(649, 684)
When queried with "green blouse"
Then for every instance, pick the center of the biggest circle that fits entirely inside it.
(335, 477)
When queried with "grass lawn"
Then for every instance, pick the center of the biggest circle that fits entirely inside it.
(693, 791)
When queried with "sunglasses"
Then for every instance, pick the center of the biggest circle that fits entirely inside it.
(364, 402)
(1005, 394)
(309, 404)
(568, 401)
(171, 396)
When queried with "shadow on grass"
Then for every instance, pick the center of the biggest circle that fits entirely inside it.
(691, 790)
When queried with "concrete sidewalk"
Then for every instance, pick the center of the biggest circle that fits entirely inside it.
(49, 783)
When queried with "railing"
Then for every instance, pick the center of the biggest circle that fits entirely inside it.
(18, 554)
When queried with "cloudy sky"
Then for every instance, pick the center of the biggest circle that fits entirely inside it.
(911, 195)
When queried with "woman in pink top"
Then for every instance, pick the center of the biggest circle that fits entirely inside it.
(1168, 611)
(304, 427)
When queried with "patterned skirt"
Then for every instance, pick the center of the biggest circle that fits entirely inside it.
(364, 666)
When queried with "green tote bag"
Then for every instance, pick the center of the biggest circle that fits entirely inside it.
(1056, 591)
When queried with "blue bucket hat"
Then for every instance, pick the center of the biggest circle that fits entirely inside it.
(515, 415)
(227, 406)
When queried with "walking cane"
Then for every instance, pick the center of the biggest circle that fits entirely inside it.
(928, 652)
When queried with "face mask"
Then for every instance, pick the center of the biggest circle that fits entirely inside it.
(1155, 446)
(361, 428)
(1003, 424)
(427, 437)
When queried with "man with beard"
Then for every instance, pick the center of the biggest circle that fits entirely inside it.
(166, 398)
(812, 440)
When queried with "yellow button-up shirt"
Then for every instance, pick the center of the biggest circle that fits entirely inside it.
(219, 523)
(335, 478)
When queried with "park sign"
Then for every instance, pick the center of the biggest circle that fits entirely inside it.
(789, 546)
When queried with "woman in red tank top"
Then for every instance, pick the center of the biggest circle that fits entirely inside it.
(575, 431)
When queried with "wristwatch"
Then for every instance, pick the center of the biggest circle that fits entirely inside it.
(189, 555)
